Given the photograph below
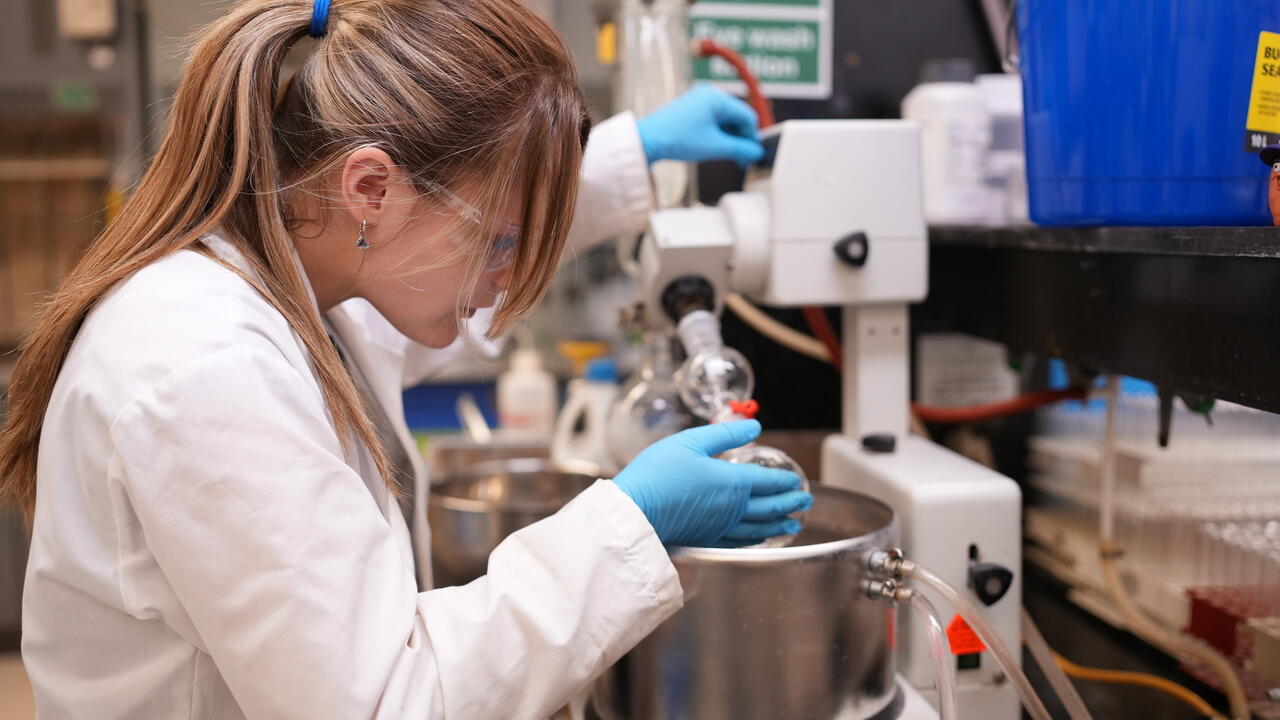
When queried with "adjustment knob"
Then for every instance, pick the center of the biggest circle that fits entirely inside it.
(852, 249)
(990, 581)
(879, 443)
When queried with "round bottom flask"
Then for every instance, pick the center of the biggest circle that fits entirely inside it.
(770, 457)
(648, 412)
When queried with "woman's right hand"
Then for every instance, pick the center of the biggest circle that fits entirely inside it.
(693, 499)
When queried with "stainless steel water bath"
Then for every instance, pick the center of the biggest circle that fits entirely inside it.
(471, 512)
(771, 634)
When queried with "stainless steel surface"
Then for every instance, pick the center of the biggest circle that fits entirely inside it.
(768, 634)
(456, 453)
(471, 512)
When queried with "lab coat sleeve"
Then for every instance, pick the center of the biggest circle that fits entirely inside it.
(305, 600)
(616, 192)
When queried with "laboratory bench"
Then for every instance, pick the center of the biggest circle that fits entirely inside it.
(1193, 310)
(1087, 640)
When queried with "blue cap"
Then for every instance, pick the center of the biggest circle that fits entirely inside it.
(602, 370)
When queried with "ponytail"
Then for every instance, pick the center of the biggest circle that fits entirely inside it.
(501, 86)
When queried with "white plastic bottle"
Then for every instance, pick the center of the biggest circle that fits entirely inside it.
(527, 395)
(1006, 160)
(582, 429)
(955, 135)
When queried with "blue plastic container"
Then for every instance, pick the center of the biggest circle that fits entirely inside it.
(1135, 110)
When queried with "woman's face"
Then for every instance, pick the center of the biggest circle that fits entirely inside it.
(420, 248)
(413, 272)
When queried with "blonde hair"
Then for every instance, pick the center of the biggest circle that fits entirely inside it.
(481, 92)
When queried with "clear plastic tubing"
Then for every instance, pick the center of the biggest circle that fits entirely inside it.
(974, 617)
(940, 650)
(1067, 693)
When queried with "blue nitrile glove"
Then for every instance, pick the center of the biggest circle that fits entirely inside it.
(705, 123)
(693, 499)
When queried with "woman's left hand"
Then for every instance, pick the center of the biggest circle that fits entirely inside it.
(705, 123)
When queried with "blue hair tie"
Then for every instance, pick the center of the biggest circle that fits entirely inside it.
(320, 18)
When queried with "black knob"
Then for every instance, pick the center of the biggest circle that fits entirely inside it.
(879, 443)
(990, 581)
(852, 249)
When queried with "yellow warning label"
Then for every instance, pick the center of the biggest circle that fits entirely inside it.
(962, 638)
(1264, 101)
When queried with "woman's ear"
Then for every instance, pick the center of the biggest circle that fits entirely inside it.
(367, 175)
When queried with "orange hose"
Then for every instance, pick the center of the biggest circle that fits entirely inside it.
(978, 413)
(1124, 677)
(820, 326)
(755, 97)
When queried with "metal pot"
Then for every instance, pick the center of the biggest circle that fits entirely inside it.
(771, 633)
(471, 512)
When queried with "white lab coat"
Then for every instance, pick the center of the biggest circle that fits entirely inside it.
(204, 548)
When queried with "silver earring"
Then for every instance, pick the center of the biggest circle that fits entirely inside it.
(361, 242)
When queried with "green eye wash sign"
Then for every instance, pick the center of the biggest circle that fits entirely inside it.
(786, 43)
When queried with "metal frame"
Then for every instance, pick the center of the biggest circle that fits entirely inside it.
(1193, 310)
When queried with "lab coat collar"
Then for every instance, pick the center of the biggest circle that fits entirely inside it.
(230, 254)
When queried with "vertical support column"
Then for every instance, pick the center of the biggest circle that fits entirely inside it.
(877, 360)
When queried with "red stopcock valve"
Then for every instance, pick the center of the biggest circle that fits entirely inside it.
(746, 408)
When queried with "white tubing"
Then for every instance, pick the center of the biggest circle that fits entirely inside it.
(1174, 643)
(940, 650)
(974, 617)
(1178, 645)
(778, 332)
(1107, 466)
(624, 247)
(1062, 684)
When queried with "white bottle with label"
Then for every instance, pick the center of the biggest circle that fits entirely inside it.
(955, 135)
(527, 395)
(582, 430)
(1006, 160)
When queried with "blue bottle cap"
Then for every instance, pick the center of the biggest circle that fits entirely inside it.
(602, 370)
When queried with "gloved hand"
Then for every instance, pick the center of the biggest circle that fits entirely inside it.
(692, 499)
(705, 123)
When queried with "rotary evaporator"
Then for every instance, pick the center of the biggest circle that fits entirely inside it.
(811, 629)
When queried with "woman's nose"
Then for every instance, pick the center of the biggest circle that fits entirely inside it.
(499, 281)
(502, 280)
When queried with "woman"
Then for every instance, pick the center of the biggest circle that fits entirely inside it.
(201, 423)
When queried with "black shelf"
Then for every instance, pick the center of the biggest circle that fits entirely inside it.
(1194, 310)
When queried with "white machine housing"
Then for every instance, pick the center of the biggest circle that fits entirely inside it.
(775, 243)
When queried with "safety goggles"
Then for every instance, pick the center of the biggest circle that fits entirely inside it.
(503, 249)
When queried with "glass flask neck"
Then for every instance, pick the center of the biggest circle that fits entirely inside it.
(658, 359)
(700, 333)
